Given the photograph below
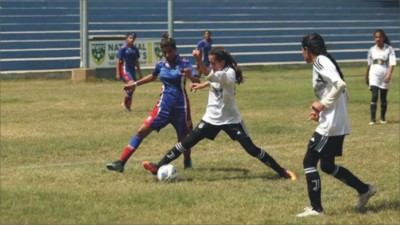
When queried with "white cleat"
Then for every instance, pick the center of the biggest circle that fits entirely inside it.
(308, 211)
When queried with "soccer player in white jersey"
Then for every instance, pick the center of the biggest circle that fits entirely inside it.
(222, 113)
(381, 61)
(327, 141)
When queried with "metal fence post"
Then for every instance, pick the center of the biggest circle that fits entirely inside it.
(171, 18)
(84, 33)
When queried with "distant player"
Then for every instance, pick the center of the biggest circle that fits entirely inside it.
(126, 64)
(381, 62)
(171, 108)
(204, 46)
(327, 141)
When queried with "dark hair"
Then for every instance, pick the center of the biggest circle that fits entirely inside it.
(166, 41)
(222, 54)
(131, 34)
(316, 45)
(385, 37)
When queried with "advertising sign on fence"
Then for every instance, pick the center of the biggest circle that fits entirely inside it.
(103, 52)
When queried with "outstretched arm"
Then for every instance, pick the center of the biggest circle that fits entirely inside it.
(202, 68)
(132, 85)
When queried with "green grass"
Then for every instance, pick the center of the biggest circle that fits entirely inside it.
(57, 136)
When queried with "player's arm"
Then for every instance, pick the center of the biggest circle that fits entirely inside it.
(338, 87)
(188, 73)
(367, 75)
(133, 84)
(198, 86)
(117, 68)
(369, 61)
(392, 63)
(137, 64)
(202, 68)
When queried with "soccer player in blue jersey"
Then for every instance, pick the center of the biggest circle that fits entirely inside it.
(127, 61)
(171, 108)
(204, 46)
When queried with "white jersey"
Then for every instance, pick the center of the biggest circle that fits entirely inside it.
(221, 107)
(379, 61)
(333, 120)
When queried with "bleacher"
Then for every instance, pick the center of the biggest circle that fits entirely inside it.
(44, 34)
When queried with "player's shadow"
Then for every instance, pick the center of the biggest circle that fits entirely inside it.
(380, 205)
(232, 173)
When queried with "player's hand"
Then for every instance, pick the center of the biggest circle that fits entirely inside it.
(313, 116)
(187, 72)
(317, 107)
(196, 54)
(130, 86)
(367, 80)
(196, 86)
(387, 78)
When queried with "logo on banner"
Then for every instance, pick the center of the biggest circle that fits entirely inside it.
(158, 51)
(98, 53)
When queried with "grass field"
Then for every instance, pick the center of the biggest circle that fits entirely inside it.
(57, 136)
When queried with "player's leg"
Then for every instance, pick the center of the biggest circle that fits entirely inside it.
(265, 158)
(127, 77)
(182, 122)
(239, 132)
(383, 98)
(373, 104)
(201, 131)
(128, 151)
(155, 121)
(328, 166)
(313, 179)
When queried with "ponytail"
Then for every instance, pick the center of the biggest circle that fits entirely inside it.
(221, 54)
(316, 45)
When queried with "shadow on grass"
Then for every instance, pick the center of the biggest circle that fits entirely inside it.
(380, 205)
(232, 173)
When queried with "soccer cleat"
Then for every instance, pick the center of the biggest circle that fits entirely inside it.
(116, 166)
(372, 123)
(308, 211)
(383, 121)
(187, 163)
(363, 198)
(290, 175)
(152, 167)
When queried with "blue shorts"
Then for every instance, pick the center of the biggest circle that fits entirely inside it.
(164, 114)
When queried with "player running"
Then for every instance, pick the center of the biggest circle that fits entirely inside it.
(327, 141)
(171, 108)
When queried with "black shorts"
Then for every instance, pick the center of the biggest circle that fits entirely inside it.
(235, 131)
(326, 145)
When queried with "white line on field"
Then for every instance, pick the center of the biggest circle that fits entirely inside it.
(69, 164)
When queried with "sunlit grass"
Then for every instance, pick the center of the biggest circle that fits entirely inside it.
(56, 137)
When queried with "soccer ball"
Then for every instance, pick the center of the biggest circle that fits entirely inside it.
(167, 173)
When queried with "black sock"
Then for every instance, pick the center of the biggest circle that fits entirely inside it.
(383, 111)
(348, 178)
(269, 161)
(171, 155)
(314, 188)
(373, 111)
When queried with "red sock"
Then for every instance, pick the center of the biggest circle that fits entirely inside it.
(126, 154)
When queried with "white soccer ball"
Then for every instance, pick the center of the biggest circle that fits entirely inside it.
(167, 173)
